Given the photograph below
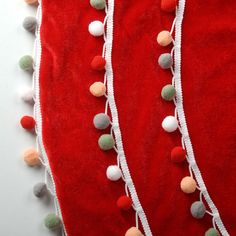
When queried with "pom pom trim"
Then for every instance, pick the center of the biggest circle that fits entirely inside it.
(180, 115)
(116, 132)
(49, 180)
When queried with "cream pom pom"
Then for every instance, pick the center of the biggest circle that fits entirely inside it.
(96, 28)
(27, 94)
(113, 173)
(170, 124)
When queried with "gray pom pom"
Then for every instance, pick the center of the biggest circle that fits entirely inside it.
(101, 121)
(40, 189)
(30, 24)
(198, 210)
(165, 61)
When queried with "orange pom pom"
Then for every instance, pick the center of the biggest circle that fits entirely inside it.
(32, 2)
(133, 231)
(97, 89)
(31, 157)
(164, 38)
(188, 184)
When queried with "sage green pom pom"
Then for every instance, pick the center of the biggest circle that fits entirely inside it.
(98, 4)
(26, 63)
(106, 142)
(212, 232)
(52, 221)
(168, 92)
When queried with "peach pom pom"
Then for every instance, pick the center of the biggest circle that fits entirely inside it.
(133, 231)
(32, 2)
(164, 38)
(97, 89)
(188, 184)
(31, 157)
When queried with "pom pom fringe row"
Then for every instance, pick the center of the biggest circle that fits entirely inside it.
(38, 118)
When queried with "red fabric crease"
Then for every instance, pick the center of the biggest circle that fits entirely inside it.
(87, 198)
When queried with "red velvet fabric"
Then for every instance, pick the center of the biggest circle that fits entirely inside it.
(87, 198)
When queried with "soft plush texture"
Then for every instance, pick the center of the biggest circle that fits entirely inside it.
(40, 189)
(26, 63)
(30, 24)
(87, 197)
(27, 122)
(31, 157)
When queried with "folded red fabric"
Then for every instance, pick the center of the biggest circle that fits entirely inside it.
(87, 198)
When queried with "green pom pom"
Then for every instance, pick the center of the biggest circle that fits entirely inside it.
(212, 232)
(98, 4)
(106, 142)
(26, 63)
(168, 92)
(52, 221)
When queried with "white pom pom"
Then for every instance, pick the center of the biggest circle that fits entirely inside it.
(113, 173)
(170, 124)
(27, 95)
(96, 28)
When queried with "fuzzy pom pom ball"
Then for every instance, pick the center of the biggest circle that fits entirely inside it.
(101, 121)
(113, 173)
(40, 189)
(124, 203)
(32, 2)
(98, 89)
(170, 124)
(188, 184)
(98, 4)
(106, 142)
(212, 232)
(133, 231)
(28, 122)
(164, 38)
(31, 157)
(98, 63)
(96, 28)
(168, 5)
(168, 92)
(198, 210)
(26, 63)
(52, 221)
(178, 154)
(165, 61)
(27, 95)
(30, 24)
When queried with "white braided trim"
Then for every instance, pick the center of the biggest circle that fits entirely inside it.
(38, 118)
(115, 129)
(179, 113)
